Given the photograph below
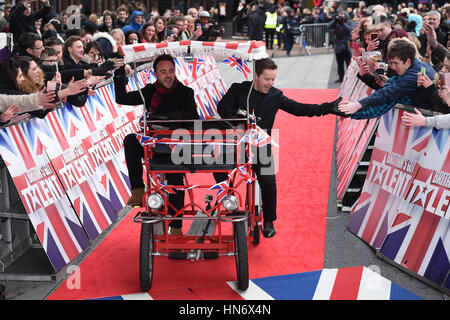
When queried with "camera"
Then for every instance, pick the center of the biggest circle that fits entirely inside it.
(339, 20)
(215, 30)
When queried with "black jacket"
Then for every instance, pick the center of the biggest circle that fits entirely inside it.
(266, 110)
(19, 23)
(179, 105)
(256, 24)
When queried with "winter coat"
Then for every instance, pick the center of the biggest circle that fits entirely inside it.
(341, 34)
(133, 26)
(19, 23)
(256, 24)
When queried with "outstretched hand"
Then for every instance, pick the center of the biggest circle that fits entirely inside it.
(349, 107)
(414, 119)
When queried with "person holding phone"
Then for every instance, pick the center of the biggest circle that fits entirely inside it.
(342, 28)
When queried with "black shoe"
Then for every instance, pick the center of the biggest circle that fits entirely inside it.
(338, 80)
(269, 230)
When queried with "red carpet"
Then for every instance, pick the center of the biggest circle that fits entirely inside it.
(303, 178)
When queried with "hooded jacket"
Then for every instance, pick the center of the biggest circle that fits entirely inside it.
(133, 26)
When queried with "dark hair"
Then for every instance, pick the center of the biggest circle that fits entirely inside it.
(402, 49)
(27, 40)
(9, 69)
(128, 34)
(163, 57)
(53, 41)
(49, 52)
(145, 26)
(24, 63)
(69, 42)
(161, 36)
(96, 45)
(266, 63)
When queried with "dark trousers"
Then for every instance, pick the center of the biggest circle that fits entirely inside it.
(265, 172)
(270, 33)
(342, 58)
(289, 43)
(134, 153)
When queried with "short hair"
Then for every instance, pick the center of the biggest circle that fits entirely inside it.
(435, 13)
(69, 43)
(53, 41)
(28, 39)
(377, 19)
(261, 65)
(402, 48)
(49, 52)
(163, 57)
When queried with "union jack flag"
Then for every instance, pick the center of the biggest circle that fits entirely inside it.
(375, 210)
(239, 64)
(195, 66)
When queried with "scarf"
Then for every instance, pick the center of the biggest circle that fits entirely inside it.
(159, 92)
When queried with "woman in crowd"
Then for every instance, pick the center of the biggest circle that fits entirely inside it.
(190, 32)
(148, 33)
(93, 53)
(119, 36)
(132, 37)
(13, 101)
(108, 23)
(33, 82)
(160, 28)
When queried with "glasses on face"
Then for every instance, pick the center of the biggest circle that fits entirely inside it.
(38, 48)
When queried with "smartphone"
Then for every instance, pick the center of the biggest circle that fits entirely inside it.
(53, 86)
(445, 76)
(373, 36)
(377, 76)
(423, 71)
(355, 46)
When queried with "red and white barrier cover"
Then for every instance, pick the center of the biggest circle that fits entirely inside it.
(248, 50)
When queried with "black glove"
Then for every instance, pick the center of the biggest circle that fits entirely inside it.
(332, 107)
(103, 69)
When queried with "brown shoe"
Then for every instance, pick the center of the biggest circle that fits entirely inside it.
(136, 197)
(175, 231)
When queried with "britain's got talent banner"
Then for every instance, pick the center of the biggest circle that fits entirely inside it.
(403, 210)
(353, 135)
(69, 168)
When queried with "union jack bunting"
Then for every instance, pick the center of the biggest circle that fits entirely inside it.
(239, 64)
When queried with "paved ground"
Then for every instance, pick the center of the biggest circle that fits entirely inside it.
(343, 249)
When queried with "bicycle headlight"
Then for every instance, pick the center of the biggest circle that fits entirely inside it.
(230, 202)
(155, 201)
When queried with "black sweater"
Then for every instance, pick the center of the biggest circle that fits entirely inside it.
(266, 105)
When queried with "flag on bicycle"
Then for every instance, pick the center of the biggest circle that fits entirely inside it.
(239, 64)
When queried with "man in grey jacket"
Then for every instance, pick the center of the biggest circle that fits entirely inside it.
(342, 28)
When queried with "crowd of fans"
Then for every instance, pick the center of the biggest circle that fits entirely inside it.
(375, 42)
(53, 61)
(62, 57)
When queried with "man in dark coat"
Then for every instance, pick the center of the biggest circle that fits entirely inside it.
(21, 19)
(265, 101)
(342, 30)
(256, 23)
(166, 98)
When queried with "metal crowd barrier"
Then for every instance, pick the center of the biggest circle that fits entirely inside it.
(315, 35)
